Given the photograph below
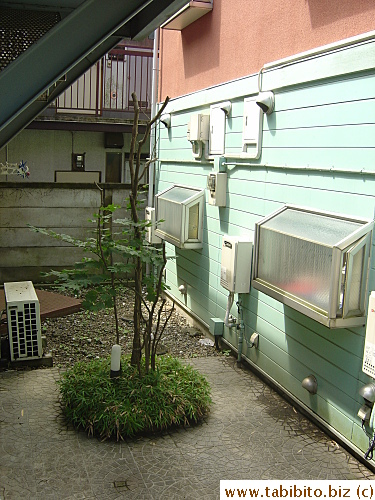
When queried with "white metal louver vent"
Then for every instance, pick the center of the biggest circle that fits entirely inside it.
(23, 315)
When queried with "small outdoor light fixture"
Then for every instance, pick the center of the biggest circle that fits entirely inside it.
(368, 392)
(166, 120)
(266, 102)
(115, 361)
(310, 384)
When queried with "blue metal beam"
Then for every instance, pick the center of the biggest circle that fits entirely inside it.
(68, 50)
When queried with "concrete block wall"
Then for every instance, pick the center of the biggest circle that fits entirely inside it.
(66, 209)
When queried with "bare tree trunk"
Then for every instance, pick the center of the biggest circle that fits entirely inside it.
(136, 351)
(134, 166)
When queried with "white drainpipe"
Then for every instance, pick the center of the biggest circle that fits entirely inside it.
(155, 70)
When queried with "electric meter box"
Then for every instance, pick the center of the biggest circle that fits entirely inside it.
(217, 189)
(368, 365)
(150, 230)
(236, 256)
(198, 128)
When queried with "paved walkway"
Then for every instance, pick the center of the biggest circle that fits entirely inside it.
(251, 433)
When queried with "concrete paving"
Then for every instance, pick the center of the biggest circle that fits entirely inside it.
(250, 433)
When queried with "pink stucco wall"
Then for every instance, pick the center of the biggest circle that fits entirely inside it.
(240, 36)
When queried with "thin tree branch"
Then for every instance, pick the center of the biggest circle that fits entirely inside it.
(149, 126)
(147, 164)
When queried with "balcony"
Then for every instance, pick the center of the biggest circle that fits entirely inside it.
(101, 98)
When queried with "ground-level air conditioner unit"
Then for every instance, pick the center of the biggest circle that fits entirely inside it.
(23, 317)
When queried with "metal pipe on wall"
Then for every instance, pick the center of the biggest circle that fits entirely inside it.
(308, 168)
(154, 93)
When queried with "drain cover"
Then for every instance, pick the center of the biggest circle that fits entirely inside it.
(121, 484)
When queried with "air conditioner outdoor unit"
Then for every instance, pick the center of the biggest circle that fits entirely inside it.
(23, 317)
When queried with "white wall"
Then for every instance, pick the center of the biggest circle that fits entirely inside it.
(48, 150)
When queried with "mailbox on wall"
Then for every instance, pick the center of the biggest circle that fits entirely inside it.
(316, 262)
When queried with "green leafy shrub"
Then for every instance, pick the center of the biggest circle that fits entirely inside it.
(174, 394)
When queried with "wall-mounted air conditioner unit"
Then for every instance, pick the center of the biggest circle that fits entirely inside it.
(23, 317)
(180, 210)
(316, 262)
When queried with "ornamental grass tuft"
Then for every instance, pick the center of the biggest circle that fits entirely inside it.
(172, 395)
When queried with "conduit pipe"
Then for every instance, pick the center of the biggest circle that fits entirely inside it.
(154, 93)
(332, 170)
(229, 306)
(240, 328)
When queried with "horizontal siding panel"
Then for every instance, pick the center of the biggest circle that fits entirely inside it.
(183, 154)
(201, 272)
(345, 136)
(326, 409)
(356, 159)
(195, 179)
(282, 178)
(294, 350)
(331, 181)
(320, 198)
(267, 357)
(319, 116)
(334, 354)
(176, 143)
(199, 260)
(328, 115)
(353, 158)
(350, 340)
(291, 364)
(359, 437)
(203, 307)
(330, 92)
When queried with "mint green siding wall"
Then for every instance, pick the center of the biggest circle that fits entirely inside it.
(325, 124)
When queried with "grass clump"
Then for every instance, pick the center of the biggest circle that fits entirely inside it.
(174, 394)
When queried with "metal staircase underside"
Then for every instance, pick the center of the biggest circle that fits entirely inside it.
(47, 44)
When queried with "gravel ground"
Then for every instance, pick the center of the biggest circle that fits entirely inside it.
(88, 335)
